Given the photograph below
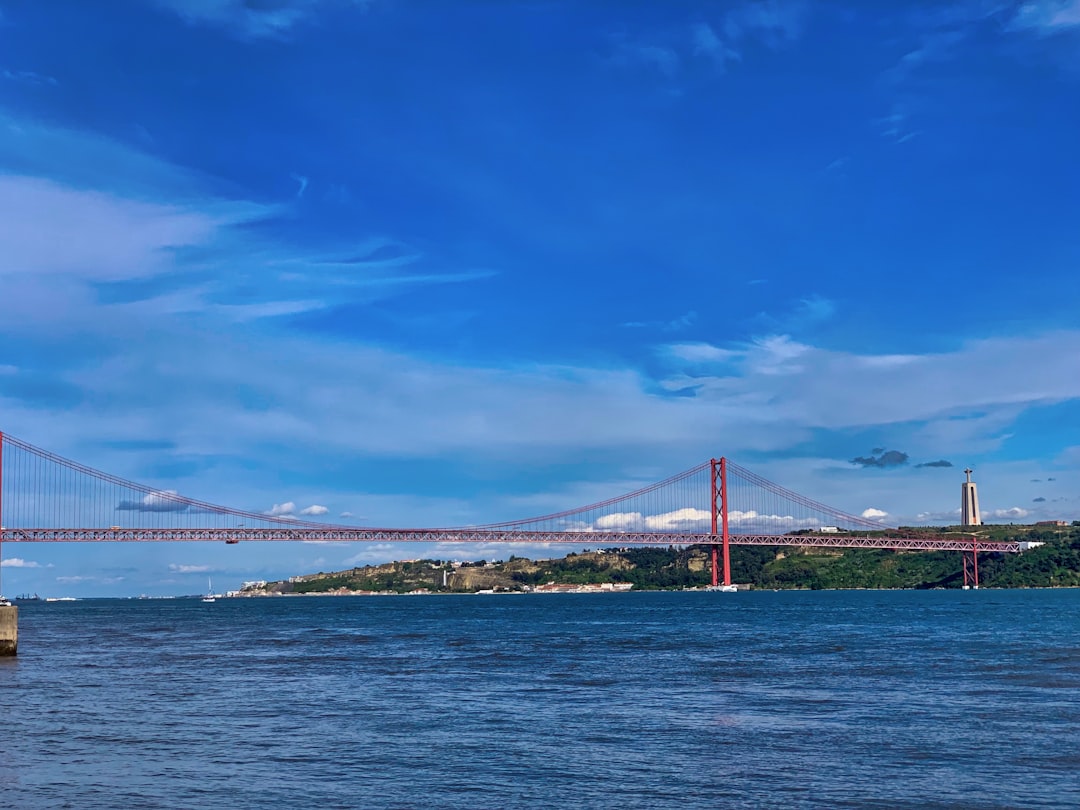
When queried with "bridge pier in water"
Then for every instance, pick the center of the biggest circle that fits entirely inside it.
(971, 567)
(9, 631)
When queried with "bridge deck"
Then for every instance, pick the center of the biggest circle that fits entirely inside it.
(508, 536)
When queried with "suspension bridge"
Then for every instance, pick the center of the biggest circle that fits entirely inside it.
(47, 498)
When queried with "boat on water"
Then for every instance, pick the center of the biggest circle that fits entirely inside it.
(4, 602)
(209, 592)
(723, 588)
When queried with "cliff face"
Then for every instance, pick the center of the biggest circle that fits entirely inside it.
(481, 579)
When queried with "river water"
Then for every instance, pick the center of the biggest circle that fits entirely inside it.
(640, 700)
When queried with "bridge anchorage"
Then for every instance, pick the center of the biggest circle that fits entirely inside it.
(48, 498)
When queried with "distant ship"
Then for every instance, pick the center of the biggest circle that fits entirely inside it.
(25, 597)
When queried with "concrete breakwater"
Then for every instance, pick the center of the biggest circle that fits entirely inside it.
(9, 630)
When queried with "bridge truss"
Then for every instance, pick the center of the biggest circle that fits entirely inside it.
(47, 498)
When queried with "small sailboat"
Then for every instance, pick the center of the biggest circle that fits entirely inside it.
(209, 592)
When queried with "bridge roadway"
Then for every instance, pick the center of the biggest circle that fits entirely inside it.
(508, 536)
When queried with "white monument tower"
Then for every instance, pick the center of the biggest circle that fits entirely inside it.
(969, 502)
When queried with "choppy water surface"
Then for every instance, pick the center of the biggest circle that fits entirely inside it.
(842, 699)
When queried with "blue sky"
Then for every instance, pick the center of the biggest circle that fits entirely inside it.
(448, 263)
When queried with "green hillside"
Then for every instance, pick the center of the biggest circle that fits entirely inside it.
(1054, 564)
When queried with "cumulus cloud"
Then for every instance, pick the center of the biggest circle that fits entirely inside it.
(887, 458)
(1012, 513)
(619, 521)
(751, 519)
(165, 500)
(687, 519)
(314, 509)
(681, 520)
(939, 463)
(19, 562)
(346, 515)
(872, 513)
(281, 509)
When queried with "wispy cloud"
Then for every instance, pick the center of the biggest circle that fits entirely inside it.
(1048, 16)
(708, 43)
(717, 43)
(255, 20)
(28, 77)
(178, 568)
(775, 21)
(302, 181)
(679, 324)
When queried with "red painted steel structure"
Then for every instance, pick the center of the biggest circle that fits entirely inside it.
(615, 538)
(658, 514)
(719, 509)
(971, 565)
(1, 510)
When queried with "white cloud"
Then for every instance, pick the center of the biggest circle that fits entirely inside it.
(1070, 456)
(164, 500)
(683, 520)
(619, 521)
(701, 353)
(1048, 16)
(346, 515)
(177, 568)
(750, 519)
(1013, 513)
(314, 509)
(52, 229)
(874, 513)
(281, 509)
(18, 562)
